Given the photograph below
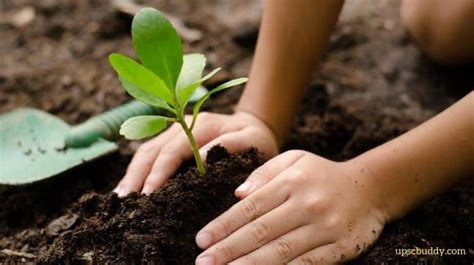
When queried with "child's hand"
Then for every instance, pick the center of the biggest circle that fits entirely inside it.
(299, 208)
(159, 158)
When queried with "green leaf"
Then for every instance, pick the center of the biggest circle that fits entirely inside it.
(141, 78)
(191, 71)
(158, 45)
(198, 94)
(140, 127)
(200, 102)
(185, 93)
(145, 96)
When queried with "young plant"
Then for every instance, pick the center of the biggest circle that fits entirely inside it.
(165, 79)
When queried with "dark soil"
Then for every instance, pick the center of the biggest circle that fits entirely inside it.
(373, 85)
(159, 228)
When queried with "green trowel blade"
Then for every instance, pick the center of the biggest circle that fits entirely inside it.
(32, 147)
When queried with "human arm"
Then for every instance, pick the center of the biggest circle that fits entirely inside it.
(424, 161)
(292, 37)
(299, 208)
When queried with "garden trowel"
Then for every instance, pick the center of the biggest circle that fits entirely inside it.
(35, 145)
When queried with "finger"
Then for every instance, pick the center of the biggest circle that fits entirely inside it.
(327, 254)
(142, 162)
(172, 155)
(285, 248)
(266, 172)
(255, 234)
(233, 142)
(267, 198)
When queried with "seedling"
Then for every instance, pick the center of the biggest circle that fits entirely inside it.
(165, 79)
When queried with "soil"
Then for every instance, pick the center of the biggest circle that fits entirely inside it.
(373, 85)
(158, 228)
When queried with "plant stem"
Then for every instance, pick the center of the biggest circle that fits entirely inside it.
(194, 147)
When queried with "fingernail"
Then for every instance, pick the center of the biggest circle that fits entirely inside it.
(203, 240)
(245, 187)
(147, 190)
(117, 190)
(205, 260)
(203, 154)
(121, 192)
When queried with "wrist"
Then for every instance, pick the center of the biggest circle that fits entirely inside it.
(366, 181)
(390, 194)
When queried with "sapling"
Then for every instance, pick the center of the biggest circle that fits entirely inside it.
(165, 79)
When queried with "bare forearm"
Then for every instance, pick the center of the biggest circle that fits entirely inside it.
(292, 36)
(424, 161)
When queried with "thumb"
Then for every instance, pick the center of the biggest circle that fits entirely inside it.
(231, 141)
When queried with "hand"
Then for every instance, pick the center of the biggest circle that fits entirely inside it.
(159, 158)
(299, 208)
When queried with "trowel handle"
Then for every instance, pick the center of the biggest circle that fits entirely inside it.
(107, 124)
